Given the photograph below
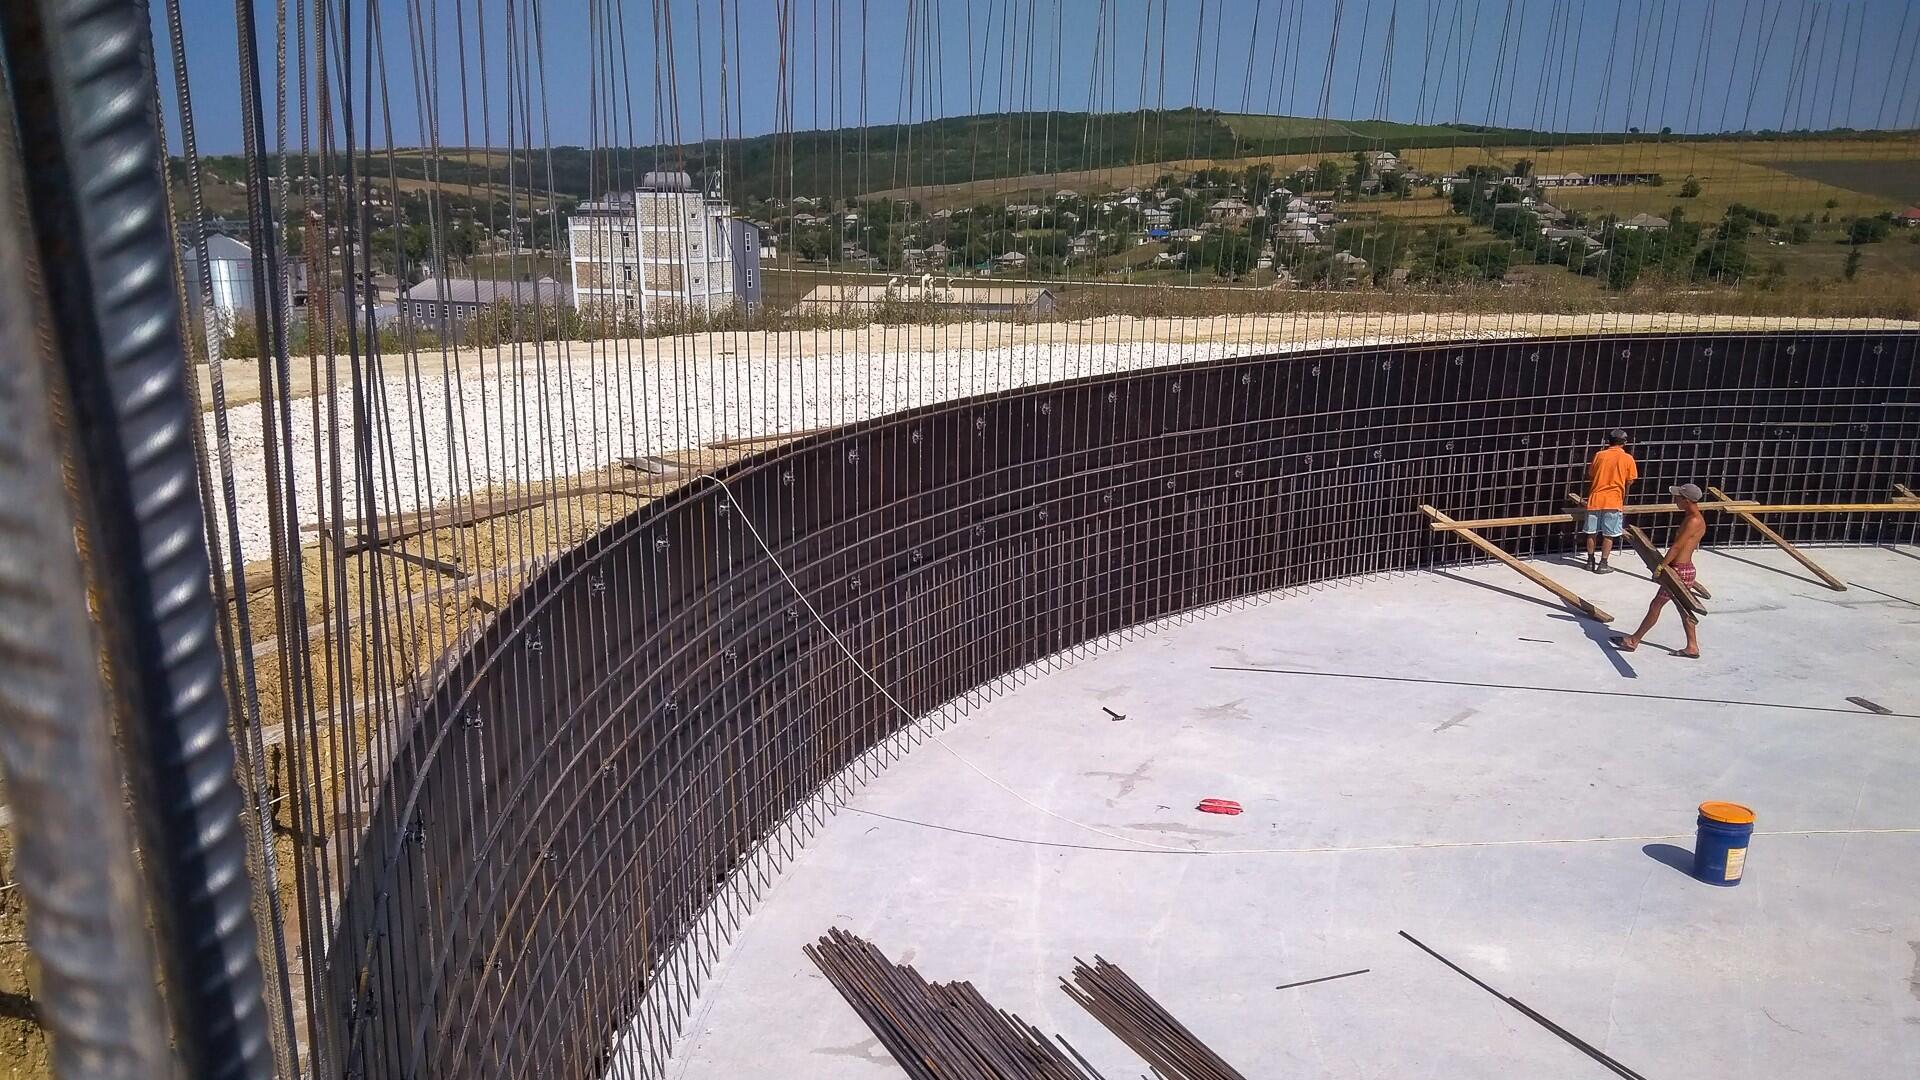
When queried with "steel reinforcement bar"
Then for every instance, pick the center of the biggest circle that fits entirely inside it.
(595, 794)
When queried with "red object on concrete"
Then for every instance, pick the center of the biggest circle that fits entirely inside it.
(1219, 806)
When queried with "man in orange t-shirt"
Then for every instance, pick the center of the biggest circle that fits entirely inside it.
(1613, 471)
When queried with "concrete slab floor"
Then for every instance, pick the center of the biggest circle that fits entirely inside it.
(1810, 968)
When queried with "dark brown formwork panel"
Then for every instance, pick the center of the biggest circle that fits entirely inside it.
(600, 784)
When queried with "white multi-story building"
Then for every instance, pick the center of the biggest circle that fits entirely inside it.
(663, 250)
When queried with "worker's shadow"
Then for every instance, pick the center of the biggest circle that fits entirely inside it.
(1602, 635)
(1598, 632)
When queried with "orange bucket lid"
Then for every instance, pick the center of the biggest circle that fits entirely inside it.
(1727, 813)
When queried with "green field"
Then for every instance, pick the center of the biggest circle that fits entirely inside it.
(1254, 126)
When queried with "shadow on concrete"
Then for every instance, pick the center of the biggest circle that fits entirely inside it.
(1806, 579)
(1602, 635)
(1677, 857)
(1550, 605)
(1877, 592)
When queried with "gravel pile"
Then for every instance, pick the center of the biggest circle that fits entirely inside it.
(563, 409)
(436, 437)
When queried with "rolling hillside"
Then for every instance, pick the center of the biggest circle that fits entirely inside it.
(974, 149)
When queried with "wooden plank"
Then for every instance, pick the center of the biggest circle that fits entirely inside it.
(270, 645)
(1667, 578)
(439, 566)
(411, 523)
(1831, 508)
(1553, 519)
(1566, 595)
(1574, 498)
(761, 440)
(1781, 542)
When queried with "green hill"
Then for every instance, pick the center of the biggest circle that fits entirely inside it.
(851, 161)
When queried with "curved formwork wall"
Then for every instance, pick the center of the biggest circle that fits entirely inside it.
(603, 781)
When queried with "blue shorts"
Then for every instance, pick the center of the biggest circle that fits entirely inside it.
(1606, 522)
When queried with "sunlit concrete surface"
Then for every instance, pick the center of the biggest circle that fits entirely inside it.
(1811, 968)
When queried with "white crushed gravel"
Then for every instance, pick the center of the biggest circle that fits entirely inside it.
(567, 408)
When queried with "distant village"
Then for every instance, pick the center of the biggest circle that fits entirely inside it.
(674, 246)
(1230, 222)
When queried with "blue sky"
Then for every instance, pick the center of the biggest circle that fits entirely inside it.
(639, 71)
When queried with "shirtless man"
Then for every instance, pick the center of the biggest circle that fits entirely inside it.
(1693, 526)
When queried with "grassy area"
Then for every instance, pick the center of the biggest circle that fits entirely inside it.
(1896, 180)
(1137, 255)
(1425, 205)
(508, 267)
(784, 282)
(1390, 130)
(1864, 176)
(1255, 126)
(1086, 181)
(1776, 176)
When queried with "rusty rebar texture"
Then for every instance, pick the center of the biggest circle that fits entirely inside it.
(1135, 1018)
(938, 1031)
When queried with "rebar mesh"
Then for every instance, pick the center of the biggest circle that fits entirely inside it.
(556, 615)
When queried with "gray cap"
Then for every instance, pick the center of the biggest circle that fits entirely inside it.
(1618, 436)
(1689, 492)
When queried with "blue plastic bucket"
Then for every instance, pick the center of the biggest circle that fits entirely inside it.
(1720, 845)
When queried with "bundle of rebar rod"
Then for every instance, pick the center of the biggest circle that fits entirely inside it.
(938, 1031)
(1143, 1024)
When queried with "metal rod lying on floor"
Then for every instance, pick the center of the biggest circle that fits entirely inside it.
(1321, 979)
(1569, 1037)
(1783, 544)
(1566, 595)
(938, 1031)
(1147, 1028)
